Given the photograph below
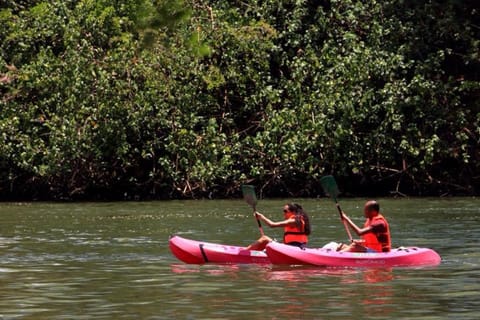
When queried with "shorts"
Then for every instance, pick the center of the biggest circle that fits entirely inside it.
(297, 244)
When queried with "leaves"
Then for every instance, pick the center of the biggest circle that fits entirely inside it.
(193, 98)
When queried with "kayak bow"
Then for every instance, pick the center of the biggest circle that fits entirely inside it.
(199, 252)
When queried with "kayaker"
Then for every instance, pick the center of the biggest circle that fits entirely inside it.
(375, 232)
(296, 227)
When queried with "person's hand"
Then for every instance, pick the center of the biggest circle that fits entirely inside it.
(258, 215)
(344, 216)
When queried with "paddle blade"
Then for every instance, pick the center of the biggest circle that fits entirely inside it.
(249, 195)
(330, 187)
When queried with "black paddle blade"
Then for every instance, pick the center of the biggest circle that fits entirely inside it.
(249, 195)
(330, 187)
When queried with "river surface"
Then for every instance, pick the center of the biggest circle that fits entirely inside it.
(112, 261)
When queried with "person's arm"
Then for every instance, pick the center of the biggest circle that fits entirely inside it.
(273, 224)
(358, 231)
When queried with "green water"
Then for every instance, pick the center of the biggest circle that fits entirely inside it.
(111, 261)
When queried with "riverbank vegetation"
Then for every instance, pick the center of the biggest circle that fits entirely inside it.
(151, 99)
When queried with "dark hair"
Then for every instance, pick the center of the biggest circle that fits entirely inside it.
(300, 214)
(373, 205)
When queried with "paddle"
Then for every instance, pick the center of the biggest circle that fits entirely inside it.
(251, 198)
(330, 187)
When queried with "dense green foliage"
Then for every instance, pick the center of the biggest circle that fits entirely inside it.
(163, 99)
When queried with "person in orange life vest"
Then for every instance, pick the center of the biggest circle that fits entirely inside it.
(375, 232)
(296, 227)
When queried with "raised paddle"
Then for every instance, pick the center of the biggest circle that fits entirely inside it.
(330, 187)
(251, 198)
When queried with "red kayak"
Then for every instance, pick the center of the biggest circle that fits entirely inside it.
(399, 257)
(199, 252)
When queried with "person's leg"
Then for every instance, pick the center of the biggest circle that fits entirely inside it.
(342, 247)
(260, 244)
(297, 244)
(354, 247)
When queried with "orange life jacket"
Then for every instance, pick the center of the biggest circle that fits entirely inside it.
(377, 241)
(294, 233)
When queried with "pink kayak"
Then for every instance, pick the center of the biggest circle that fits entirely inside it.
(198, 252)
(399, 257)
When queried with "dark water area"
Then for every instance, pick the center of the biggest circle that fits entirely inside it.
(111, 261)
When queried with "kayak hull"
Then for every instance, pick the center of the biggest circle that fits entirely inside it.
(199, 252)
(399, 257)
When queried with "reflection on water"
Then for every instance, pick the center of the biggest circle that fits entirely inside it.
(346, 275)
(376, 299)
(111, 261)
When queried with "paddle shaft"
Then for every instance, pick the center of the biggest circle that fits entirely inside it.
(329, 185)
(344, 222)
(258, 221)
(251, 198)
